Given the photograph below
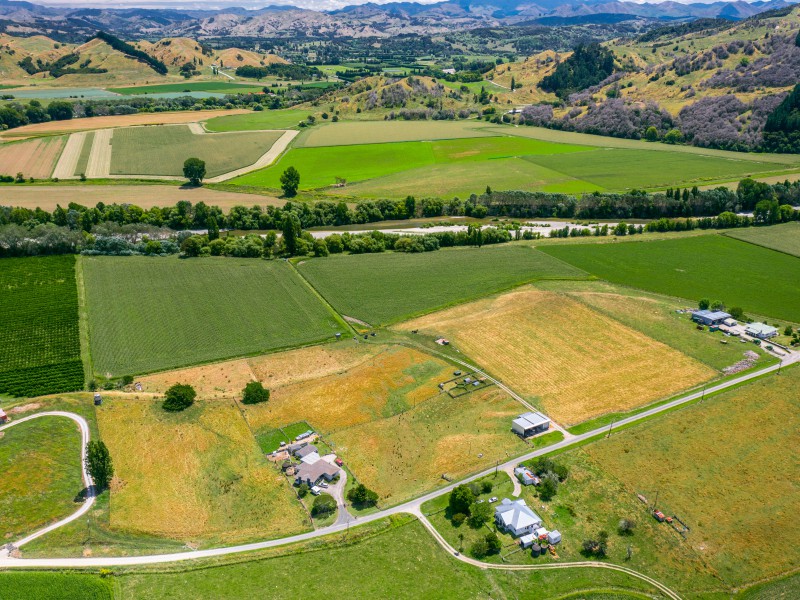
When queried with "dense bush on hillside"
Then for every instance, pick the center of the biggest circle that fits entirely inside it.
(782, 127)
(296, 72)
(780, 67)
(120, 46)
(588, 65)
(617, 117)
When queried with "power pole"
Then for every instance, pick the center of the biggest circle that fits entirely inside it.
(610, 425)
(656, 501)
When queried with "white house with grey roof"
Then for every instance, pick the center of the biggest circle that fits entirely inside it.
(761, 331)
(516, 518)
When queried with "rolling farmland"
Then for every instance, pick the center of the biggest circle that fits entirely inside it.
(761, 281)
(198, 475)
(220, 87)
(153, 314)
(32, 158)
(574, 362)
(48, 585)
(39, 340)
(346, 133)
(712, 463)
(391, 287)
(162, 150)
(266, 119)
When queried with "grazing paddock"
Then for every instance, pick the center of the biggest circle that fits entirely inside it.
(713, 460)
(33, 158)
(708, 266)
(574, 362)
(654, 316)
(390, 287)
(143, 196)
(163, 118)
(49, 585)
(266, 119)
(50, 447)
(196, 476)
(221, 87)
(378, 132)
(150, 314)
(783, 238)
(405, 455)
(162, 150)
(385, 382)
(320, 166)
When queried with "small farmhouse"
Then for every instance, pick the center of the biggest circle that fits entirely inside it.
(311, 473)
(762, 331)
(526, 477)
(709, 317)
(530, 423)
(516, 518)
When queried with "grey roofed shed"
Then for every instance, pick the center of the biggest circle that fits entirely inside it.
(305, 451)
(530, 423)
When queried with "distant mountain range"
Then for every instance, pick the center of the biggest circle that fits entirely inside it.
(365, 20)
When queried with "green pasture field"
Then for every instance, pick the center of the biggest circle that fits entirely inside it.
(162, 150)
(387, 559)
(86, 150)
(39, 339)
(347, 133)
(52, 585)
(474, 87)
(50, 447)
(320, 166)
(390, 287)
(222, 87)
(759, 280)
(783, 238)
(265, 119)
(150, 314)
(619, 169)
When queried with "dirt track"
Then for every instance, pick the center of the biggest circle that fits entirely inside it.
(145, 196)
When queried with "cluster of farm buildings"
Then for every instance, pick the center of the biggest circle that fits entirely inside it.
(717, 319)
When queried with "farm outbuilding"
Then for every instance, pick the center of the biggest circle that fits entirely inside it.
(709, 317)
(526, 477)
(526, 541)
(554, 537)
(3, 416)
(762, 331)
(305, 451)
(530, 423)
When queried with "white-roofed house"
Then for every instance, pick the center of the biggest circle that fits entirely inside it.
(516, 518)
(761, 331)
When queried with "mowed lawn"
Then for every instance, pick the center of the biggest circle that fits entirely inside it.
(265, 119)
(162, 150)
(575, 363)
(50, 448)
(390, 287)
(319, 167)
(761, 281)
(149, 314)
(728, 468)
(196, 476)
(783, 238)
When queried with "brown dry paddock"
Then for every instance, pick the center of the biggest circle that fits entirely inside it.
(144, 196)
(35, 158)
(164, 118)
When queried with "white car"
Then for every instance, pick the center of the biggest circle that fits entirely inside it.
(323, 485)
(316, 490)
(493, 499)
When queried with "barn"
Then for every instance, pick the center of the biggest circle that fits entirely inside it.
(530, 423)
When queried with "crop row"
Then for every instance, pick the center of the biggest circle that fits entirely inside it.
(38, 381)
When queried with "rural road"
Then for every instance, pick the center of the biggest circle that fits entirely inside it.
(87, 479)
(412, 506)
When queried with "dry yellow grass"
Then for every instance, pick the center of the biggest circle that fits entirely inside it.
(215, 381)
(405, 455)
(579, 363)
(379, 385)
(196, 476)
(34, 158)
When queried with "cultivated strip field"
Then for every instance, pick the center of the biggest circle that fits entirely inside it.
(194, 476)
(153, 314)
(254, 121)
(162, 150)
(783, 238)
(761, 281)
(575, 362)
(68, 163)
(39, 340)
(391, 287)
(34, 158)
(99, 161)
(161, 118)
(144, 196)
(711, 462)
